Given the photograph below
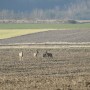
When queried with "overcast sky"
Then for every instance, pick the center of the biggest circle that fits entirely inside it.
(26, 5)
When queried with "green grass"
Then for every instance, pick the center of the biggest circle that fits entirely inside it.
(45, 26)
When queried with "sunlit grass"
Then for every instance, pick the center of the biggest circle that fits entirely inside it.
(12, 30)
(6, 33)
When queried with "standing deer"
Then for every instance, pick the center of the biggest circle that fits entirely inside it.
(46, 54)
(35, 54)
(21, 56)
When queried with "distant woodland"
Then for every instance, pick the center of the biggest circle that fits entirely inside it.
(45, 10)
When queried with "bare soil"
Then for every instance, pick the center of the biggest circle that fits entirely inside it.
(51, 36)
(69, 69)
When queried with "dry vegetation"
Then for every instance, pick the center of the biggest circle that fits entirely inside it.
(44, 83)
(67, 70)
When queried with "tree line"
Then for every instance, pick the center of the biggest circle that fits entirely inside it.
(80, 11)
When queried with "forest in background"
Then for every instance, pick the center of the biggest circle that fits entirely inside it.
(45, 10)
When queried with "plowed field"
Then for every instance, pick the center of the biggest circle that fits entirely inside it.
(51, 36)
(69, 69)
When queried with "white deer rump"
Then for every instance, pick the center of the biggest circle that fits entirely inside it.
(21, 54)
